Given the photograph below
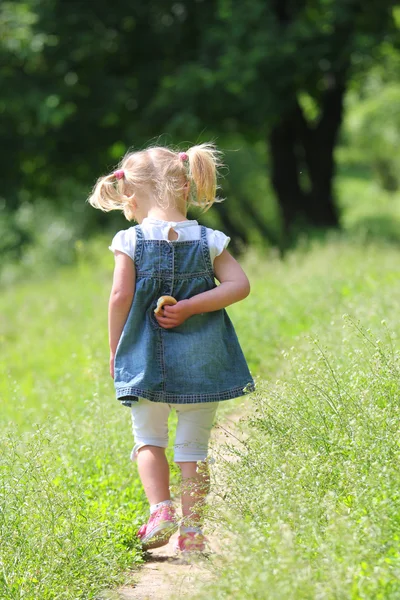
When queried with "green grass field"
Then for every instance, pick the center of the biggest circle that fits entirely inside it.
(313, 502)
(70, 500)
(313, 499)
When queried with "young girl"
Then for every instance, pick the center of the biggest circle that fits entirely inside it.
(186, 356)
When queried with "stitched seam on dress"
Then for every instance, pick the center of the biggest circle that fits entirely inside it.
(206, 250)
(183, 243)
(160, 352)
(139, 246)
(163, 360)
(186, 398)
(172, 269)
(164, 276)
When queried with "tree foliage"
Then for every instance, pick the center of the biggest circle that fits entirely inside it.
(83, 81)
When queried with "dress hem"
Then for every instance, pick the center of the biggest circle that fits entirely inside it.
(128, 395)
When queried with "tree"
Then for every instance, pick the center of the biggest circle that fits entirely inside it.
(280, 69)
(80, 82)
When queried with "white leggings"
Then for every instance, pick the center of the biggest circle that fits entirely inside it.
(150, 428)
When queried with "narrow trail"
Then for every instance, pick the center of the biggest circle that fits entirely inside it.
(167, 577)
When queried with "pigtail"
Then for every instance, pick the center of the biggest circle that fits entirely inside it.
(203, 162)
(106, 194)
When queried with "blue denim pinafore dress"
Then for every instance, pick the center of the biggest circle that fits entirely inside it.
(199, 361)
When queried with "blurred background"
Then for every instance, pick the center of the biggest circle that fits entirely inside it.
(302, 96)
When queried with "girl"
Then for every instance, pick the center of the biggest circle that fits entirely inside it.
(186, 357)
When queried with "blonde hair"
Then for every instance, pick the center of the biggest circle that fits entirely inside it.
(164, 173)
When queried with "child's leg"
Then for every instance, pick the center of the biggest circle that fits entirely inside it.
(150, 430)
(154, 473)
(191, 447)
(195, 487)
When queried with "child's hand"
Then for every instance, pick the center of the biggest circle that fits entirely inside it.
(174, 315)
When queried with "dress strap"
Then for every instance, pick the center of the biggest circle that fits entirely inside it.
(206, 250)
(139, 244)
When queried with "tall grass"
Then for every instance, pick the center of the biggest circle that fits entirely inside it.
(311, 500)
(70, 501)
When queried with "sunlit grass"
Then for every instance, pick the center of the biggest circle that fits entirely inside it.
(71, 501)
(312, 501)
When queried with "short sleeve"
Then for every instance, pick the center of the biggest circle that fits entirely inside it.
(125, 241)
(217, 243)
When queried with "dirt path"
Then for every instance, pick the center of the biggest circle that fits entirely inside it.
(166, 577)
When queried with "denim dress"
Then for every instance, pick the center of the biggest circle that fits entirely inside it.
(198, 361)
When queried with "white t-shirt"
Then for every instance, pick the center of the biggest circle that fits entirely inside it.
(154, 229)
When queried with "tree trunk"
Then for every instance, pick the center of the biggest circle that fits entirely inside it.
(285, 171)
(295, 146)
(319, 145)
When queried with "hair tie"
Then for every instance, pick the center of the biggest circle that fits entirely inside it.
(183, 156)
(120, 174)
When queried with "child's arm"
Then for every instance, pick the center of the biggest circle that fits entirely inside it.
(234, 286)
(122, 292)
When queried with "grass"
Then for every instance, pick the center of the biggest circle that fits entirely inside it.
(70, 500)
(312, 501)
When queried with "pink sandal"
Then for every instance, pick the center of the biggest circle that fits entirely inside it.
(159, 528)
(191, 541)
